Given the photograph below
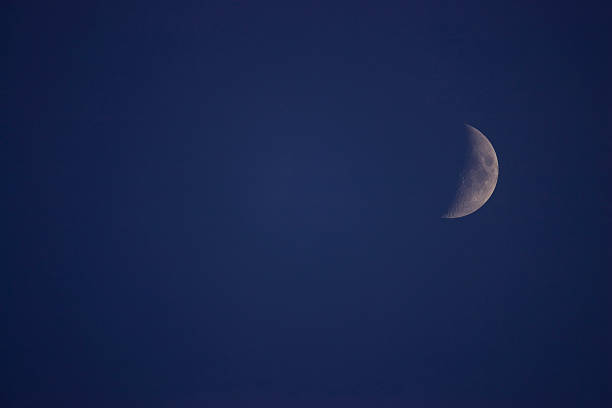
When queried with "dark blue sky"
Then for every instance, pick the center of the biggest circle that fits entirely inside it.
(227, 204)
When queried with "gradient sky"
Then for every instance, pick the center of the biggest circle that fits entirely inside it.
(228, 204)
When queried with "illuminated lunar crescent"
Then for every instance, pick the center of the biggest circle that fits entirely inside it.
(478, 178)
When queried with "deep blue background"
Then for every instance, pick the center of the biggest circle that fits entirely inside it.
(237, 204)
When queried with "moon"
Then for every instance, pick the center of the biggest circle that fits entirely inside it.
(478, 177)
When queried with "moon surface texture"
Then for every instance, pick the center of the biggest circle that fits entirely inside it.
(478, 177)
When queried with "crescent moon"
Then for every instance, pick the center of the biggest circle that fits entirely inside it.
(478, 178)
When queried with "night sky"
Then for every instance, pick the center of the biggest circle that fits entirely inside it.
(237, 204)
